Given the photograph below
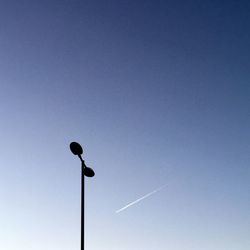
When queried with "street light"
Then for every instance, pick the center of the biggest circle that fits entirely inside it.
(76, 149)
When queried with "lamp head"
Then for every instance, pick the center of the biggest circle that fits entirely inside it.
(89, 172)
(76, 148)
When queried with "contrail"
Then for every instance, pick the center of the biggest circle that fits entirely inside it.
(138, 200)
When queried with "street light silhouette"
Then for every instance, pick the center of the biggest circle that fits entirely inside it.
(76, 149)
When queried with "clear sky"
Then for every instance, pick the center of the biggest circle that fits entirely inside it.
(157, 93)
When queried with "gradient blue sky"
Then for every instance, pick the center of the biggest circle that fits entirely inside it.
(157, 92)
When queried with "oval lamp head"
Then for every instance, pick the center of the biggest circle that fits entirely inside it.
(76, 148)
(89, 172)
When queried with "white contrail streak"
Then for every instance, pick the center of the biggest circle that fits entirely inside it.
(140, 199)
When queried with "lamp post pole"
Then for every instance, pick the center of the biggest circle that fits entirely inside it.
(82, 206)
(76, 149)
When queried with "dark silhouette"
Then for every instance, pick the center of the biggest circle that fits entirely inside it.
(76, 149)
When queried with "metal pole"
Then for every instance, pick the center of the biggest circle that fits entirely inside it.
(82, 208)
(76, 149)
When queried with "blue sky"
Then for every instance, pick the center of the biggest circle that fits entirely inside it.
(157, 92)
